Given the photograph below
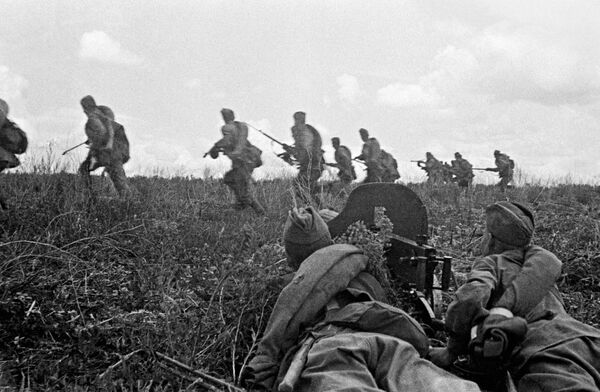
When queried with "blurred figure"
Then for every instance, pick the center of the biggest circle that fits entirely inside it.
(13, 141)
(505, 168)
(343, 162)
(433, 167)
(108, 146)
(244, 156)
(371, 156)
(462, 170)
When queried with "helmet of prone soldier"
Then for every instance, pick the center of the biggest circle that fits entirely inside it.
(227, 114)
(510, 222)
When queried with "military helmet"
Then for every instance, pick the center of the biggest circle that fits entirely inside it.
(227, 114)
(88, 102)
(300, 116)
(3, 107)
(107, 111)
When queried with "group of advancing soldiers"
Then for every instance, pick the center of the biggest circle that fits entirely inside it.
(333, 329)
(461, 171)
(306, 152)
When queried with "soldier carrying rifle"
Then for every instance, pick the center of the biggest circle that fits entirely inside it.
(504, 167)
(433, 167)
(343, 162)
(462, 170)
(244, 156)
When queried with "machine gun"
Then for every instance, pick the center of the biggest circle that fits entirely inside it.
(414, 264)
(287, 155)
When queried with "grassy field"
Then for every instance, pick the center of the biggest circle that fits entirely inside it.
(90, 289)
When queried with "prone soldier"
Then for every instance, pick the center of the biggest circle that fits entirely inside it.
(244, 156)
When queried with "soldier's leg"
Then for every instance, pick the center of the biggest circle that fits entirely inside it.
(84, 171)
(117, 175)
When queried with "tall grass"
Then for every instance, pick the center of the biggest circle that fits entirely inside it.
(176, 270)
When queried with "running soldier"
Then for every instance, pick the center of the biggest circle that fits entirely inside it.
(13, 141)
(108, 144)
(371, 156)
(390, 167)
(307, 151)
(244, 156)
(433, 167)
(505, 168)
(462, 170)
(343, 161)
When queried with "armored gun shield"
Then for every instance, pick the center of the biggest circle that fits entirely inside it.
(412, 262)
(402, 206)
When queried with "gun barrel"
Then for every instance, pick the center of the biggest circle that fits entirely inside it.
(267, 135)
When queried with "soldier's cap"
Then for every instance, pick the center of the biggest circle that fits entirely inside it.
(227, 114)
(300, 115)
(107, 111)
(510, 222)
(3, 107)
(457, 155)
(88, 102)
(496, 152)
(304, 233)
(335, 140)
(363, 131)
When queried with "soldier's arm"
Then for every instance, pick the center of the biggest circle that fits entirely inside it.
(469, 306)
(227, 140)
(541, 269)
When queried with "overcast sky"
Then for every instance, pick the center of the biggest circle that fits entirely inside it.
(441, 76)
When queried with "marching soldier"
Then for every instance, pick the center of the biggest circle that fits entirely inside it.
(371, 156)
(13, 141)
(433, 167)
(307, 151)
(462, 170)
(244, 156)
(505, 167)
(109, 147)
(343, 161)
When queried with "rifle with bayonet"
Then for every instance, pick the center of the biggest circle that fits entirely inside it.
(287, 155)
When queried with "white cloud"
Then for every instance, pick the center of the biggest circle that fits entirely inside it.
(11, 84)
(97, 45)
(349, 89)
(407, 95)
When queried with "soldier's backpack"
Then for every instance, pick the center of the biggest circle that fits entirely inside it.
(121, 142)
(253, 154)
(12, 138)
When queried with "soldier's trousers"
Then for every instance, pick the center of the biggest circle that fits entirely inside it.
(238, 179)
(115, 171)
(374, 174)
(363, 361)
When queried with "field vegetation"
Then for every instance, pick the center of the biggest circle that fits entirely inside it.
(98, 293)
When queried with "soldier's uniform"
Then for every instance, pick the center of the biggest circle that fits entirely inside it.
(109, 146)
(505, 168)
(371, 155)
(343, 161)
(244, 156)
(389, 166)
(332, 330)
(462, 170)
(13, 141)
(308, 152)
(434, 169)
(558, 352)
